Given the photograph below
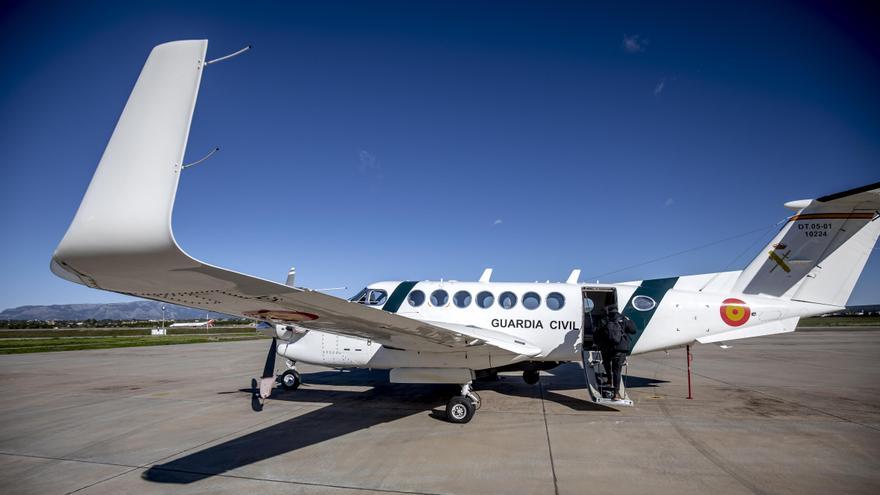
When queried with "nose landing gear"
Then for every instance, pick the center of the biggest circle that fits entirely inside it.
(290, 379)
(461, 408)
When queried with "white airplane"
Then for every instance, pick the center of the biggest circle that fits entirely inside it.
(424, 331)
(195, 324)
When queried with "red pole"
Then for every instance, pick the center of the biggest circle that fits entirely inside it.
(689, 358)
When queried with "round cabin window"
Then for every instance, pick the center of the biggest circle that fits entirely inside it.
(416, 298)
(439, 298)
(643, 303)
(531, 300)
(555, 301)
(462, 299)
(507, 300)
(485, 299)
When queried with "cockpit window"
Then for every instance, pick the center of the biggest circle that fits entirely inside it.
(370, 297)
(361, 297)
(377, 297)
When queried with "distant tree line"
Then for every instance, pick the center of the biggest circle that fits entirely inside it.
(92, 323)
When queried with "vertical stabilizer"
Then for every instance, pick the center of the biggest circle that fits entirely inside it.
(820, 252)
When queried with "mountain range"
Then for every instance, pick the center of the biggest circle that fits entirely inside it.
(135, 310)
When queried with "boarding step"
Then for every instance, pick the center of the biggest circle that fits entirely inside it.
(598, 385)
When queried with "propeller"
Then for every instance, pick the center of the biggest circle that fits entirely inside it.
(262, 390)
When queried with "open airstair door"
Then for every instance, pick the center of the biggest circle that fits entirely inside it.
(599, 385)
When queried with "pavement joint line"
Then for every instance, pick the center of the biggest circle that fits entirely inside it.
(711, 455)
(549, 446)
(150, 463)
(782, 399)
(52, 458)
(292, 482)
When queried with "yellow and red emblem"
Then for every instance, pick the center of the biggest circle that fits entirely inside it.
(734, 312)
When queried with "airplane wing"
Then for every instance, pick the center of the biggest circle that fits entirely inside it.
(121, 239)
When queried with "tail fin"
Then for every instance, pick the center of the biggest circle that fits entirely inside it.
(820, 252)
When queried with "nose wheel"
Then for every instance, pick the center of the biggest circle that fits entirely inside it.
(290, 380)
(461, 408)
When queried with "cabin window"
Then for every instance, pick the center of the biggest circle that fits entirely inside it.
(485, 299)
(462, 299)
(416, 298)
(439, 298)
(555, 301)
(507, 300)
(643, 303)
(531, 300)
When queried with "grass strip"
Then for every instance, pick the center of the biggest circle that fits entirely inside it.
(20, 346)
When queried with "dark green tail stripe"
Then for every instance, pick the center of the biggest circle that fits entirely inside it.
(398, 296)
(655, 289)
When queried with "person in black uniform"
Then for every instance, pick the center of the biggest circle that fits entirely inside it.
(613, 340)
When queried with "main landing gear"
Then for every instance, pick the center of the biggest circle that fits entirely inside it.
(461, 408)
(531, 376)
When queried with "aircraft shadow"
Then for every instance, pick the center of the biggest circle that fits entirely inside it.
(351, 411)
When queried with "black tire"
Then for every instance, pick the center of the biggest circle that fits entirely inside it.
(289, 380)
(531, 376)
(459, 409)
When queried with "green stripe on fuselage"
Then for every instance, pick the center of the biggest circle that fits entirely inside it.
(655, 289)
(397, 297)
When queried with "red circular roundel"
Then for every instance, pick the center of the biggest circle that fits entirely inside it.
(734, 312)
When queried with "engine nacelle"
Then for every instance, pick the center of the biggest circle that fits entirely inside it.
(290, 333)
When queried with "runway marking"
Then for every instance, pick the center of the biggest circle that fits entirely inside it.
(547, 431)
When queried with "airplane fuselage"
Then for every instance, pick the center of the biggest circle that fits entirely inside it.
(667, 313)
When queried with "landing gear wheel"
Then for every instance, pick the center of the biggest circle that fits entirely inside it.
(289, 380)
(459, 409)
(531, 376)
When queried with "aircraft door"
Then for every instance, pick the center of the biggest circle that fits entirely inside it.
(595, 300)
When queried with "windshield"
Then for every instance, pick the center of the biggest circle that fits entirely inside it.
(370, 297)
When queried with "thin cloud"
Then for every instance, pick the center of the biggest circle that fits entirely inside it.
(669, 202)
(368, 163)
(659, 88)
(634, 43)
(498, 222)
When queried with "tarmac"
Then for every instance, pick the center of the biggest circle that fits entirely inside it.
(794, 413)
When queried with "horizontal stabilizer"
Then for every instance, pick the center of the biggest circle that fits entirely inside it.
(771, 328)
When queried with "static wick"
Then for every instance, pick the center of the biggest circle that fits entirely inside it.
(209, 155)
(209, 62)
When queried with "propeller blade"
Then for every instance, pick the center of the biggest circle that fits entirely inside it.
(269, 369)
(267, 381)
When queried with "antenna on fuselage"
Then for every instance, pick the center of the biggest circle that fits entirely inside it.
(575, 275)
(487, 274)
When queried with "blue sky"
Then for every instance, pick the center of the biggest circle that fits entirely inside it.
(369, 141)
